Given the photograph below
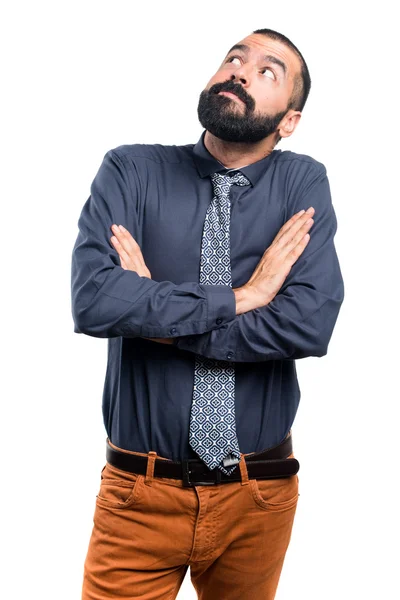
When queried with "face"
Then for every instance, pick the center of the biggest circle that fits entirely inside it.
(247, 98)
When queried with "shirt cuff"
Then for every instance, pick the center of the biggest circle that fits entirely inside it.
(221, 308)
(221, 304)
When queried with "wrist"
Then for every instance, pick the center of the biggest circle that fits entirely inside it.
(248, 298)
(243, 300)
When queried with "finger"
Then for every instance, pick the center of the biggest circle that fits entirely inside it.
(134, 248)
(289, 223)
(119, 248)
(300, 234)
(126, 240)
(122, 253)
(116, 244)
(128, 243)
(297, 251)
(291, 250)
(291, 231)
(295, 221)
(287, 253)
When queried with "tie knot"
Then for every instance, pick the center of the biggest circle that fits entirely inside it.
(222, 182)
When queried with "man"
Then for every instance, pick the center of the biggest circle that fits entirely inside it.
(208, 292)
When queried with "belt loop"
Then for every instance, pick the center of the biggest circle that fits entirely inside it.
(151, 458)
(243, 470)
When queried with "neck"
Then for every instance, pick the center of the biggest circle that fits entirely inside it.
(237, 154)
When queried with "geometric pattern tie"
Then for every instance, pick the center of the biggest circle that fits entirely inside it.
(212, 429)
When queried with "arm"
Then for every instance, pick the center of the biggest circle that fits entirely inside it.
(108, 301)
(299, 321)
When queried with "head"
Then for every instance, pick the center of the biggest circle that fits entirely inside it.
(258, 91)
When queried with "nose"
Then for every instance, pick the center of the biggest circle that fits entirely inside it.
(242, 75)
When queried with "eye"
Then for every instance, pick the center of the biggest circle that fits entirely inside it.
(268, 72)
(233, 58)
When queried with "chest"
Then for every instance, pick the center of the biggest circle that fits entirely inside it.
(171, 222)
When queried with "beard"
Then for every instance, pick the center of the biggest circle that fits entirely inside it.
(219, 115)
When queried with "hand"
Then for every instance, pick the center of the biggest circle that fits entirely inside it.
(131, 258)
(276, 263)
(129, 251)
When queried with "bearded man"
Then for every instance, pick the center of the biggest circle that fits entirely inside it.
(210, 268)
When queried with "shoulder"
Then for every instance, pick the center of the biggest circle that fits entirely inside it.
(300, 163)
(299, 172)
(152, 153)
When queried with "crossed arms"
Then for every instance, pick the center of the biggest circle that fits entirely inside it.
(110, 301)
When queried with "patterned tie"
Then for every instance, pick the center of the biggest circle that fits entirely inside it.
(212, 431)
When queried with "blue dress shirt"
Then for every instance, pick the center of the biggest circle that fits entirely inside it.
(161, 194)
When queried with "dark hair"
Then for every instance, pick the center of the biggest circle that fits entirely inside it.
(302, 82)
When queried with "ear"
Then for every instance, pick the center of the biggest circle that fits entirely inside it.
(289, 123)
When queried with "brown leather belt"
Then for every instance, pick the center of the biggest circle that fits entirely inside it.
(269, 464)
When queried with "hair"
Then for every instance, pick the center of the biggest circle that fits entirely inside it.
(302, 82)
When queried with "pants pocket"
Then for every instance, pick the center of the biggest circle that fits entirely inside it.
(118, 489)
(276, 494)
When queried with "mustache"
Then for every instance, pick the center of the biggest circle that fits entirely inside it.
(230, 86)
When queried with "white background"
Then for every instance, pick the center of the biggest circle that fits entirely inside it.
(82, 77)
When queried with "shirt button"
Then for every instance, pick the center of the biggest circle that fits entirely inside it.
(219, 321)
(173, 330)
(229, 355)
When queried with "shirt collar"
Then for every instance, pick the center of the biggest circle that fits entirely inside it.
(206, 163)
